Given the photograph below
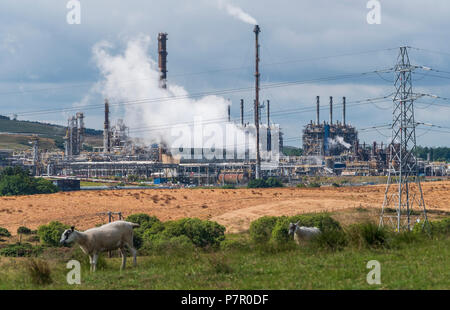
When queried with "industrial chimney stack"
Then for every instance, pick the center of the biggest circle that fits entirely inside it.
(343, 111)
(162, 61)
(331, 110)
(257, 30)
(318, 111)
(106, 134)
(242, 112)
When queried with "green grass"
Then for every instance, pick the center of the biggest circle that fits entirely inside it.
(423, 264)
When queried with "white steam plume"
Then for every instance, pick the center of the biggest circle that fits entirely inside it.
(237, 12)
(133, 76)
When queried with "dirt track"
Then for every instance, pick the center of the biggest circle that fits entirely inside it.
(233, 208)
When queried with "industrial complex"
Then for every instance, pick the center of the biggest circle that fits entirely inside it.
(330, 147)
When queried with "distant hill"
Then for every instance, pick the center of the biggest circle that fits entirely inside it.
(15, 134)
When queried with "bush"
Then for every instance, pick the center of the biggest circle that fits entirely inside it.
(17, 181)
(257, 183)
(274, 182)
(261, 229)
(314, 185)
(228, 186)
(201, 233)
(4, 232)
(234, 245)
(38, 271)
(51, 234)
(20, 250)
(331, 239)
(146, 223)
(277, 228)
(261, 183)
(367, 235)
(301, 185)
(22, 230)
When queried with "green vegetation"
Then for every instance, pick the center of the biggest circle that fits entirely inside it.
(51, 234)
(20, 250)
(16, 181)
(292, 151)
(335, 260)
(436, 153)
(4, 232)
(265, 183)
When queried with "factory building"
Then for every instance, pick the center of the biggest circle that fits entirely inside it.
(330, 138)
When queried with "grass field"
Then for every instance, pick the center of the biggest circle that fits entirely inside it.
(420, 265)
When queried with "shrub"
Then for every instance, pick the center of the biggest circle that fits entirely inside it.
(51, 234)
(146, 223)
(4, 232)
(274, 182)
(257, 183)
(261, 183)
(22, 230)
(301, 185)
(229, 186)
(234, 245)
(201, 233)
(322, 221)
(314, 185)
(17, 181)
(38, 271)
(261, 229)
(367, 235)
(20, 250)
(331, 239)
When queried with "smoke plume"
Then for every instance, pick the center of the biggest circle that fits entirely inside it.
(153, 113)
(237, 12)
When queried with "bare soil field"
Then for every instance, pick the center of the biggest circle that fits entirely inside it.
(233, 208)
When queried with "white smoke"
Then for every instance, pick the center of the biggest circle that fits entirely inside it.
(133, 76)
(339, 140)
(236, 12)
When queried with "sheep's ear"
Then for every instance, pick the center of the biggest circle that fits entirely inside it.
(72, 228)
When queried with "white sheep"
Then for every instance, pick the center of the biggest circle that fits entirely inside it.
(302, 233)
(109, 237)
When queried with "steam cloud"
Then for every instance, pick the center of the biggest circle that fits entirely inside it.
(237, 12)
(134, 76)
(339, 140)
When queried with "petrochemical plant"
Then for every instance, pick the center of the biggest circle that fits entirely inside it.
(329, 148)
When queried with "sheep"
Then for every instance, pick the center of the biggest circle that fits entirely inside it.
(109, 237)
(302, 233)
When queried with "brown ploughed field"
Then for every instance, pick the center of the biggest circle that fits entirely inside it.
(233, 208)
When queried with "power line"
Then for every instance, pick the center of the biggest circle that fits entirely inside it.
(203, 94)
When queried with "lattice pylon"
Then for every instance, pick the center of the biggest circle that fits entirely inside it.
(403, 205)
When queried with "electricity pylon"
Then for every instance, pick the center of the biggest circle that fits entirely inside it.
(403, 190)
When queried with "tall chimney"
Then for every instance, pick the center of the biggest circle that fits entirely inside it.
(318, 111)
(268, 113)
(242, 112)
(162, 60)
(106, 134)
(229, 112)
(257, 30)
(343, 111)
(331, 110)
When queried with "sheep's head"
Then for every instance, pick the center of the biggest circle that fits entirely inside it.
(68, 236)
(292, 228)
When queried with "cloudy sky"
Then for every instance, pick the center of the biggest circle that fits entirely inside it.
(49, 65)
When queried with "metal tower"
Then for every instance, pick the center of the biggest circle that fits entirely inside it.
(403, 190)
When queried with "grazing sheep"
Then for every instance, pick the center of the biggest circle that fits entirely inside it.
(109, 237)
(302, 233)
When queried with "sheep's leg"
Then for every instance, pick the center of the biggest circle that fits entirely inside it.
(95, 259)
(133, 252)
(91, 263)
(124, 258)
